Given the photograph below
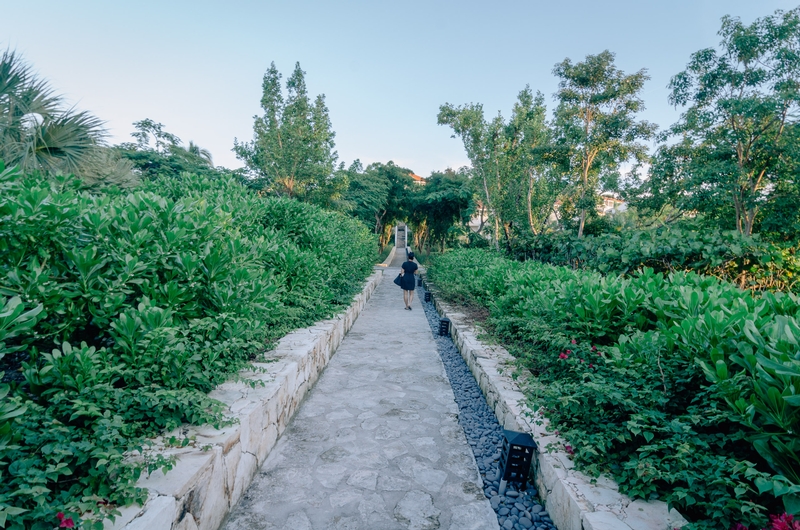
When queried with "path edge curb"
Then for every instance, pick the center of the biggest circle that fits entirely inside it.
(573, 500)
(211, 475)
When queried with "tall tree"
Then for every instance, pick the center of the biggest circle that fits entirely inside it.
(483, 145)
(292, 149)
(531, 162)
(511, 162)
(738, 137)
(200, 152)
(596, 124)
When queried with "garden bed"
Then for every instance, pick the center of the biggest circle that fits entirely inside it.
(574, 500)
(681, 387)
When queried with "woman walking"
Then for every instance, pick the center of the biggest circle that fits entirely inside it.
(408, 281)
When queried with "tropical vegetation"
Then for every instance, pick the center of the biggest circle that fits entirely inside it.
(681, 386)
(729, 163)
(137, 276)
(658, 337)
(119, 311)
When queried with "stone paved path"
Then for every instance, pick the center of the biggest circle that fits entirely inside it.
(376, 445)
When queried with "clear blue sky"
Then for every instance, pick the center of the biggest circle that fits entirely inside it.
(385, 67)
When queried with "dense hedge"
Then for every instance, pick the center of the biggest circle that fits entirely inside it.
(682, 387)
(749, 262)
(122, 311)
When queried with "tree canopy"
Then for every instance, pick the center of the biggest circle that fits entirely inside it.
(292, 151)
(596, 126)
(733, 154)
(158, 152)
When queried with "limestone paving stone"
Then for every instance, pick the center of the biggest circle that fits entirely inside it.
(376, 444)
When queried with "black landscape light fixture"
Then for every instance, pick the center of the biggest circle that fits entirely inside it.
(419, 282)
(444, 327)
(427, 296)
(515, 458)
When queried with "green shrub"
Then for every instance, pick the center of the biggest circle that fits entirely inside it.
(682, 387)
(749, 262)
(119, 312)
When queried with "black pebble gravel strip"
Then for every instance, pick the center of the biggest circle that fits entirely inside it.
(516, 510)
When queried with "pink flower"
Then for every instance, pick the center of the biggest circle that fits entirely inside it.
(591, 365)
(594, 348)
(574, 341)
(66, 522)
(568, 448)
(740, 526)
(563, 355)
(569, 351)
(581, 360)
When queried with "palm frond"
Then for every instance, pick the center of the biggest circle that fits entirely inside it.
(36, 132)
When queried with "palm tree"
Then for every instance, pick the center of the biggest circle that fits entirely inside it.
(36, 132)
(199, 152)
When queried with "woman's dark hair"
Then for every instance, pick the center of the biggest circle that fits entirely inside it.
(410, 256)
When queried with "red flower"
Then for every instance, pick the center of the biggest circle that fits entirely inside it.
(783, 522)
(594, 348)
(563, 355)
(568, 448)
(740, 526)
(66, 522)
(591, 365)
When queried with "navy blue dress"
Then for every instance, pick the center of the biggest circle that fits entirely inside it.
(407, 282)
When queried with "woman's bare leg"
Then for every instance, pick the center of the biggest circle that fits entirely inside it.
(405, 297)
(410, 298)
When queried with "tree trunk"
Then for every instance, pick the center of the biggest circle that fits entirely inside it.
(749, 221)
(491, 212)
(583, 222)
(530, 197)
(507, 233)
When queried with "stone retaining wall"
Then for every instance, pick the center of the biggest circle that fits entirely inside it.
(215, 469)
(573, 500)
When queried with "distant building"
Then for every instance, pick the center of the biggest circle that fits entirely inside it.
(611, 204)
(419, 181)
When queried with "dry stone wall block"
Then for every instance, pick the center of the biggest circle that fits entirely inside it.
(159, 515)
(603, 521)
(187, 523)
